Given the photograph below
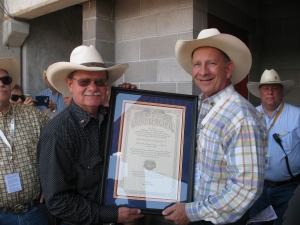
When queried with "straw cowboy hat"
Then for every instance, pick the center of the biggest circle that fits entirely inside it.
(12, 67)
(82, 58)
(270, 77)
(236, 50)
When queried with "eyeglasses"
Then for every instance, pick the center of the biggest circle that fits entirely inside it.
(84, 82)
(6, 80)
(14, 97)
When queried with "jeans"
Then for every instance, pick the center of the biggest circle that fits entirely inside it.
(36, 216)
(278, 197)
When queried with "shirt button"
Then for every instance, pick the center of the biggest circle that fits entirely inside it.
(81, 121)
(203, 152)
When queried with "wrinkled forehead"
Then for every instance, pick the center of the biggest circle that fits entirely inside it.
(3, 73)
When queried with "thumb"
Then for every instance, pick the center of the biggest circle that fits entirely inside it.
(168, 211)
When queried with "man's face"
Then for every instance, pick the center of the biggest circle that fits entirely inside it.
(211, 73)
(91, 96)
(5, 89)
(271, 95)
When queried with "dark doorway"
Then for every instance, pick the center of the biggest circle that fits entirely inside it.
(228, 28)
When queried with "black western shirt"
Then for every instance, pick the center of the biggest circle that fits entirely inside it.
(70, 157)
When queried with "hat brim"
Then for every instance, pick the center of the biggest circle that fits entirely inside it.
(237, 51)
(58, 72)
(12, 66)
(287, 85)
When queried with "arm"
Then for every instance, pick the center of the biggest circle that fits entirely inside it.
(243, 161)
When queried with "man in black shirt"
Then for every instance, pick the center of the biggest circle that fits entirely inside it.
(71, 147)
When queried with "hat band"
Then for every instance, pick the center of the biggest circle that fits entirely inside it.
(93, 64)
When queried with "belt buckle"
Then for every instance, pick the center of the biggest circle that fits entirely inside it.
(19, 209)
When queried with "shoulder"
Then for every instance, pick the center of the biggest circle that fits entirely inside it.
(63, 122)
(44, 92)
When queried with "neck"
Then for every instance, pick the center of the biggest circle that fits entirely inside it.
(4, 106)
(270, 109)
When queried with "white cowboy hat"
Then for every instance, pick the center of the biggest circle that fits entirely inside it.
(82, 58)
(270, 77)
(236, 50)
(12, 67)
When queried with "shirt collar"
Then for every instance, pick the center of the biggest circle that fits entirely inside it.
(212, 100)
(274, 113)
(83, 116)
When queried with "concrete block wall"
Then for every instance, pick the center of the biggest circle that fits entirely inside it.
(146, 33)
(98, 28)
(51, 39)
(281, 41)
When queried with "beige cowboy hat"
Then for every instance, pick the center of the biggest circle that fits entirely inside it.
(12, 67)
(270, 77)
(236, 50)
(82, 58)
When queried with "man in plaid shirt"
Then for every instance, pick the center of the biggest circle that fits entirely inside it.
(229, 169)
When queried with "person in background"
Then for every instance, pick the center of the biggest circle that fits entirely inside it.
(20, 127)
(229, 168)
(17, 96)
(56, 104)
(73, 142)
(67, 100)
(282, 161)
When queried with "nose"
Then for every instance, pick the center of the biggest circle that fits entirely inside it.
(202, 70)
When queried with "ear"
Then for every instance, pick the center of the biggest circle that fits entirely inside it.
(70, 84)
(229, 69)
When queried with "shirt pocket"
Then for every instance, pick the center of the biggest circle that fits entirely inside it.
(211, 157)
(90, 169)
(287, 140)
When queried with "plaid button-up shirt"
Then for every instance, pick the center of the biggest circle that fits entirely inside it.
(230, 159)
(28, 123)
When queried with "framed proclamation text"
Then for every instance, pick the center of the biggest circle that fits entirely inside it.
(149, 160)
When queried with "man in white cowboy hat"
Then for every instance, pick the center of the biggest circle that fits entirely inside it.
(230, 135)
(283, 154)
(71, 147)
(20, 127)
(56, 103)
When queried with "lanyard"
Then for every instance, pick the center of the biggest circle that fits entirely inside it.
(12, 133)
(276, 117)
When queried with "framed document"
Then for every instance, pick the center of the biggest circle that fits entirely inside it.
(149, 160)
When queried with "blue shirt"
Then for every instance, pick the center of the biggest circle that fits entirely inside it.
(55, 98)
(287, 126)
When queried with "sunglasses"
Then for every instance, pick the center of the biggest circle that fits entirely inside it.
(84, 82)
(14, 97)
(6, 80)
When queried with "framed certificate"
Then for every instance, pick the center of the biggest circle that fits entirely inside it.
(149, 160)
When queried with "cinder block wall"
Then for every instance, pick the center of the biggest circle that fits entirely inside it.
(51, 39)
(146, 33)
(281, 33)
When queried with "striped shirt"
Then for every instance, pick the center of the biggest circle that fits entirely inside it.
(229, 170)
(55, 98)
